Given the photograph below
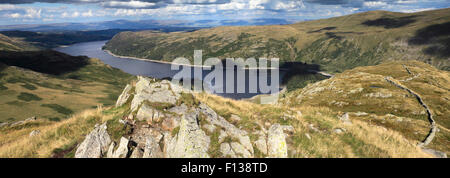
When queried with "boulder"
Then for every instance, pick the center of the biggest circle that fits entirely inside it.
(95, 144)
(261, 144)
(276, 142)
(345, 119)
(155, 92)
(34, 133)
(149, 114)
(189, 142)
(234, 132)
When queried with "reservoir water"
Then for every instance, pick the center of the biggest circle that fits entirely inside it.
(155, 69)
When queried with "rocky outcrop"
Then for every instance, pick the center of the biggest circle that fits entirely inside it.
(95, 144)
(174, 129)
(154, 92)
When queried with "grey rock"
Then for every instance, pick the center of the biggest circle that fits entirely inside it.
(147, 90)
(152, 149)
(235, 118)
(149, 114)
(313, 128)
(261, 144)
(95, 144)
(338, 131)
(209, 127)
(137, 153)
(240, 150)
(345, 119)
(226, 150)
(276, 142)
(234, 132)
(34, 118)
(435, 153)
(34, 133)
(190, 142)
(222, 136)
(170, 123)
(123, 98)
(122, 150)
(308, 136)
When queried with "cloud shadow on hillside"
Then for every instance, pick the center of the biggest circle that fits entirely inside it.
(391, 22)
(436, 36)
(47, 61)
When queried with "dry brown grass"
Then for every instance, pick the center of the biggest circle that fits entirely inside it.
(15, 142)
(361, 139)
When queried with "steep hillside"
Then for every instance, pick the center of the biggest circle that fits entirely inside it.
(10, 44)
(336, 44)
(52, 86)
(358, 113)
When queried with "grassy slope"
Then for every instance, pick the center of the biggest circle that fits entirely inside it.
(376, 134)
(351, 91)
(11, 44)
(25, 93)
(336, 44)
(360, 140)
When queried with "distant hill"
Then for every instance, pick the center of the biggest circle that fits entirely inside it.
(11, 44)
(52, 85)
(55, 39)
(366, 93)
(161, 25)
(336, 44)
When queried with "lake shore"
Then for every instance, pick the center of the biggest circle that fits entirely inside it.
(189, 65)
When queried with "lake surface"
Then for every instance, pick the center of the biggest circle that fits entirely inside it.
(157, 70)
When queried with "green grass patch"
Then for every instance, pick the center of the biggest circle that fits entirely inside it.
(28, 97)
(58, 108)
(29, 86)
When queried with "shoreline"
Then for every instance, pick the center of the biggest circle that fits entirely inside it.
(166, 62)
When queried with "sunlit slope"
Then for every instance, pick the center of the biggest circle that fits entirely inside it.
(52, 85)
(366, 93)
(11, 44)
(336, 44)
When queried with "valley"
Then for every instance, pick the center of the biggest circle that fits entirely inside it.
(371, 84)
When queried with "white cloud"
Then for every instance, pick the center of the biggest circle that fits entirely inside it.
(374, 4)
(130, 4)
(416, 10)
(87, 14)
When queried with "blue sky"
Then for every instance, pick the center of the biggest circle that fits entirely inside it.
(56, 11)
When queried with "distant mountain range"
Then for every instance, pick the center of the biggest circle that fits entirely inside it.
(165, 25)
